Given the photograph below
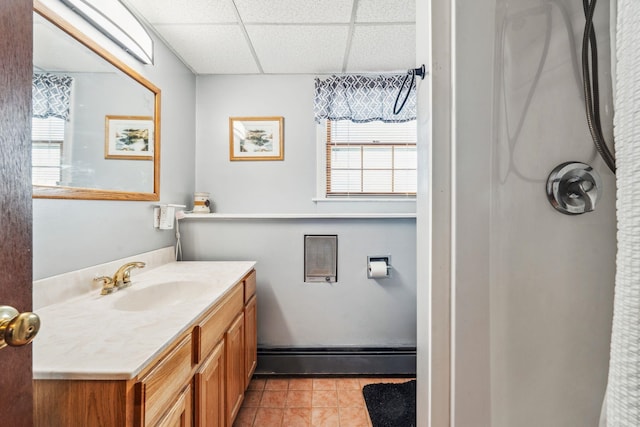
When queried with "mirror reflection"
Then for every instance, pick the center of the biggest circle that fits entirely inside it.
(95, 121)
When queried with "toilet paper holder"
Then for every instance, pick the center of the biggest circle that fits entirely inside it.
(377, 259)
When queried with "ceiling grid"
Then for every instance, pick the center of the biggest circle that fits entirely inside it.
(285, 36)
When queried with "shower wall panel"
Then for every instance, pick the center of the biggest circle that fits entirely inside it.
(551, 275)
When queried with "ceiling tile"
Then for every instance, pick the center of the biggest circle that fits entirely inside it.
(211, 49)
(299, 48)
(191, 12)
(386, 11)
(294, 11)
(382, 48)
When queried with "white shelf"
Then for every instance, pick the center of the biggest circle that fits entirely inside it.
(230, 216)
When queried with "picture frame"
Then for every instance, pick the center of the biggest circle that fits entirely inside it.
(129, 137)
(256, 138)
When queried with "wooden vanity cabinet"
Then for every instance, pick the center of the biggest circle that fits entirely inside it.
(210, 390)
(199, 380)
(179, 414)
(234, 341)
(162, 386)
(250, 328)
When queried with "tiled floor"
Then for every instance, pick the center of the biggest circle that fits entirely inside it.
(307, 402)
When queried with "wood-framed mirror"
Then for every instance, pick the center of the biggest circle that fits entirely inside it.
(96, 121)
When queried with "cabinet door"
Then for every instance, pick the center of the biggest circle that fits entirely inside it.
(209, 383)
(156, 391)
(234, 341)
(179, 415)
(250, 339)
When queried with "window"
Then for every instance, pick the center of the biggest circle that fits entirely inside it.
(371, 159)
(47, 136)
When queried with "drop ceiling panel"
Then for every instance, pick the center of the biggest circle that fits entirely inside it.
(285, 36)
(211, 49)
(386, 11)
(294, 11)
(382, 48)
(191, 12)
(299, 48)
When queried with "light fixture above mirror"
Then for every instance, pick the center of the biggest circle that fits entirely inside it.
(116, 22)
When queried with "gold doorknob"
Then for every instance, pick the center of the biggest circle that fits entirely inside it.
(17, 328)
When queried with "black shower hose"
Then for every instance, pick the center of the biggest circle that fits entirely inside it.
(590, 86)
(397, 110)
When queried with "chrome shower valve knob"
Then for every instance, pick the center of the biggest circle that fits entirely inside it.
(574, 188)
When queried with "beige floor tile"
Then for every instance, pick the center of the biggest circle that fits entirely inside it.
(324, 384)
(348, 384)
(301, 384)
(296, 417)
(367, 381)
(350, 398)
(252, 398)
(257, 384)
(273, 399)
(353, 417)
(325, 417)
(245, 417)
(324, 398)
(299, 399)
(304, 402)
(269, 417)
(277, 384)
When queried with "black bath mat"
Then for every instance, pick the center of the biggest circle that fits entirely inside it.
(391, 405)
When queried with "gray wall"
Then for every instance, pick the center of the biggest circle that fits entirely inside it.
(356, 311)
(96, 95)
(73, 234)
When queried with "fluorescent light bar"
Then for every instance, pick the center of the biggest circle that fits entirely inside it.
(116, 22)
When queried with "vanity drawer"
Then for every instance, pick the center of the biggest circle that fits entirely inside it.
(157, 389)
(249, 286)
(211, 329)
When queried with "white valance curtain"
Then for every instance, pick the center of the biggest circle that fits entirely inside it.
(51, 95)
(365, 98)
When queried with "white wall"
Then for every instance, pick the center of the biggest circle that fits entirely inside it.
(552, 275)
(532, 289)
(72, 234)
(356, 311)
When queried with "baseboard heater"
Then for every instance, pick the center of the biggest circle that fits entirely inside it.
(386, 361)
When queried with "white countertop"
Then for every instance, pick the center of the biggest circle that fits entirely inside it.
(98, 337)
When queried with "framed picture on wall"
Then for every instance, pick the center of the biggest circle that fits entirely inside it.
(128, 137)
(256, 138)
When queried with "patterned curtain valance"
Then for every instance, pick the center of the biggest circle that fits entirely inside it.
(51, 95)
(361, 98)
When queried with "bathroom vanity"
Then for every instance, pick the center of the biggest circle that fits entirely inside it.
(177, 348)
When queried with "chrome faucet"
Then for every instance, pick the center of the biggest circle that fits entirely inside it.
(121, 279)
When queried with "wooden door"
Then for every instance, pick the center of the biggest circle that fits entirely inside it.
(179, 414)
(250, 339)
(210, 381)
(234, 341)
(16, 47)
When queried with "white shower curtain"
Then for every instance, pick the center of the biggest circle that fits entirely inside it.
(623, 390)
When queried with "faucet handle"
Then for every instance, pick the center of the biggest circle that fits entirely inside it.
(107, 284)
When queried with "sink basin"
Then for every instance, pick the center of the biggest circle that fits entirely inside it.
(163, 294)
